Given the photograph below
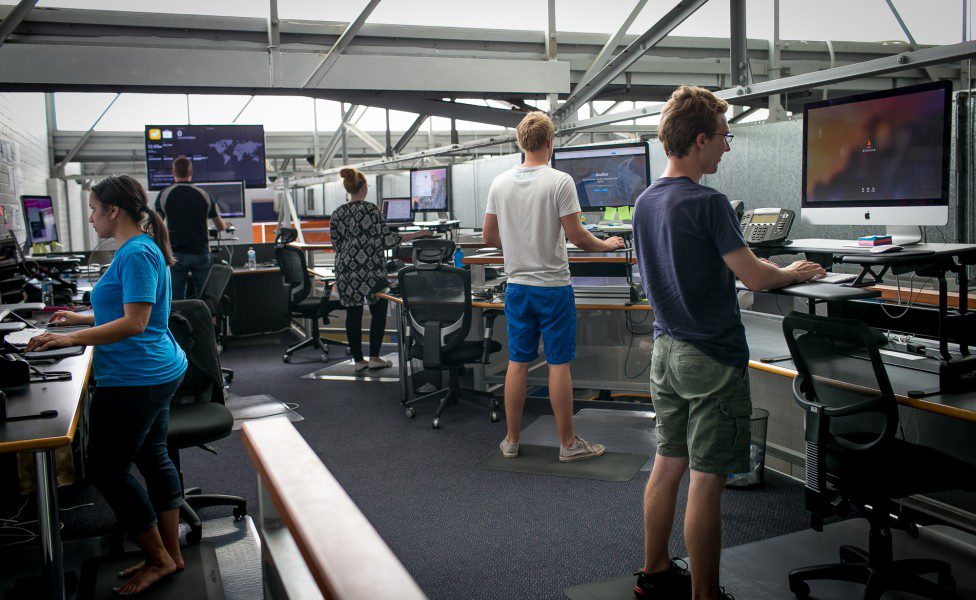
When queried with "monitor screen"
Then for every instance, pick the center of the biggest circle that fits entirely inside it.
(218, 152)
(606, 175)
(229, 197)
(429, 189)
(397, 210)
(881, 149)
(39, 218)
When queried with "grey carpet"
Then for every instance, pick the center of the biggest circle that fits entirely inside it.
(544, 460)
(460, 531)
(260, 406)
(760, 569)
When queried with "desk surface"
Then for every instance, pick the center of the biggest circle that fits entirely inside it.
(849, 248)
(63, 396)
(238, 271)
(496, 258)
(501, 305)
(819, 291)
(765, 335)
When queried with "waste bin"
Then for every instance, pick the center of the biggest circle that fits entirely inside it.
(758, 421)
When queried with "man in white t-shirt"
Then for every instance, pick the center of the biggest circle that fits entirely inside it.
(531, 210)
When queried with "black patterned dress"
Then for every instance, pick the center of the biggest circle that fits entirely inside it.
(359, 237)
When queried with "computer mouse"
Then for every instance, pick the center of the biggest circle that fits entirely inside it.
(885, 249)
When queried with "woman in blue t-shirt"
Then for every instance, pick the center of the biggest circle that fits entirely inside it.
(138, 367)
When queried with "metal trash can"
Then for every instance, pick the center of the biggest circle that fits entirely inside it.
(758, 421)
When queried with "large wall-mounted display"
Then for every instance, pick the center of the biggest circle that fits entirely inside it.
(608, 174)
(218, 152)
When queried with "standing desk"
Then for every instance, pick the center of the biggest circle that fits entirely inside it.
(41, 437)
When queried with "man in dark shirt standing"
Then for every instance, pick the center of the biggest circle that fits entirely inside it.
(186, 209)
(690, 251)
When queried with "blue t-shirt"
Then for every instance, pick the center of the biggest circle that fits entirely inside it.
(681, 232)
(138, 273)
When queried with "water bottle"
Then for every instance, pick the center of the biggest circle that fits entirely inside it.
(252, 259)
(458, 258)
(47, 291)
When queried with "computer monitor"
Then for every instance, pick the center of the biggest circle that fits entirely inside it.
(229, 197)
(880, 158)
(397, 210)
(606, 175)
(217, 152)
(39, 217)
(430, 188)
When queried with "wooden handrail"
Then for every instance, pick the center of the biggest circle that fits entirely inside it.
(342, 551)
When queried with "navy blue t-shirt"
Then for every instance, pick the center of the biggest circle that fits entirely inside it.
(681, 232)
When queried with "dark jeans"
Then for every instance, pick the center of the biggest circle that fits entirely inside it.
(129, 425)
(377, 327)
(189, 265)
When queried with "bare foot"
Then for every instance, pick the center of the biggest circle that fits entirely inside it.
(148, 575)
(135, 568)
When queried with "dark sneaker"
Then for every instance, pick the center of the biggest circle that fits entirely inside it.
(672, 583)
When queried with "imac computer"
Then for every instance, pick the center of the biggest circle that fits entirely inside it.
(880, 158)
(397, 210)
(228, 196)
(607, 175)
(40, 220)
(430, 189)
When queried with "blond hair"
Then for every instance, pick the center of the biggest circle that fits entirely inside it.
(534, 131)
(352, 180)
(691, 110)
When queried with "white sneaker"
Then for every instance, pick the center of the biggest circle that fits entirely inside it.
(509, 450)
(360, 365)
(379, 363)
(580, 450)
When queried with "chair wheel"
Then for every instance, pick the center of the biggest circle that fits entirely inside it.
(436, 423)
(325, 357)
(494, 416)
(240, 512)
(193, 536)
(286, 358)
(800, 589)
(410, 413)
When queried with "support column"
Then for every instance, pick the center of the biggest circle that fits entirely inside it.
(776, 110)
(49, 526)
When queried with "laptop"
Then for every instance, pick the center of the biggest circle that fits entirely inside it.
(397, 210)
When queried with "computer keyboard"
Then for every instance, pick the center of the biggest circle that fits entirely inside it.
(22, 337)
(835, 278)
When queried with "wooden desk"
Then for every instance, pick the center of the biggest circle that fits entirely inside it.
(41, 437)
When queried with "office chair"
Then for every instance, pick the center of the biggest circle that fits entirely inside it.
(291, 262)
(853, 458)
(197, 414)
(213, 297)
(437, 308)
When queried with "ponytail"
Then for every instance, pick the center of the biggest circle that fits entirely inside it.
(129, 195)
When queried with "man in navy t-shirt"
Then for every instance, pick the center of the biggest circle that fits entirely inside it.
(690, 252)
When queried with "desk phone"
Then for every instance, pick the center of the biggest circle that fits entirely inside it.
(766, 226)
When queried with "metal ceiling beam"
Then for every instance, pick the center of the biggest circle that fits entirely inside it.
(370, 140)
(81, 143)
(742, 115)
(329, 60)
(911, 39)
(628, 56)
(739, 95)
(605, 54)
(15, 18)
(739, 44)
(427, 106)
(409, 133)
(274, 41)
(333, 144)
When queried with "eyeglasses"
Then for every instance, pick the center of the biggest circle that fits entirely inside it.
(728, 137)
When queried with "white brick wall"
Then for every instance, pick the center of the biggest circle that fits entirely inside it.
(24, 167)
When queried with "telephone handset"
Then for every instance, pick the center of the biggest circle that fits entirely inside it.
(766, 226)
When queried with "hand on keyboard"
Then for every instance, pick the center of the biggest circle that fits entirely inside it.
(835, 278)
(22, 337)
(49, 341)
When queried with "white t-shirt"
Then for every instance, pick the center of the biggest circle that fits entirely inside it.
(529, 201)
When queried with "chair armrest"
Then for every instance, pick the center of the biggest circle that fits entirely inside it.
(489, 316)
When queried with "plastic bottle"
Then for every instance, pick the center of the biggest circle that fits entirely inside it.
(252, 259)
(47, 291)
(458, 257)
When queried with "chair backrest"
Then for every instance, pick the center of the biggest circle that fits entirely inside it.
(216, 284)
(842, 386)
(291, 263)
(437, 303)
(190, 324)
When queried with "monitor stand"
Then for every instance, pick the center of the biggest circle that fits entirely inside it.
(904, 235)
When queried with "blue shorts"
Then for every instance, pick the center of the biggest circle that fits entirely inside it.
(549, 311)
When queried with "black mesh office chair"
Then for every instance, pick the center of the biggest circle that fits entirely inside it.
(197, 414)
(213, 296)
(854, 460)
(294, 271)
(437, 307)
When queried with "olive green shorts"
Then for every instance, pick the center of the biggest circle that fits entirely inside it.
(702, 407)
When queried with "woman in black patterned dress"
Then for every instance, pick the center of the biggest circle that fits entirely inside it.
(359, 237)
